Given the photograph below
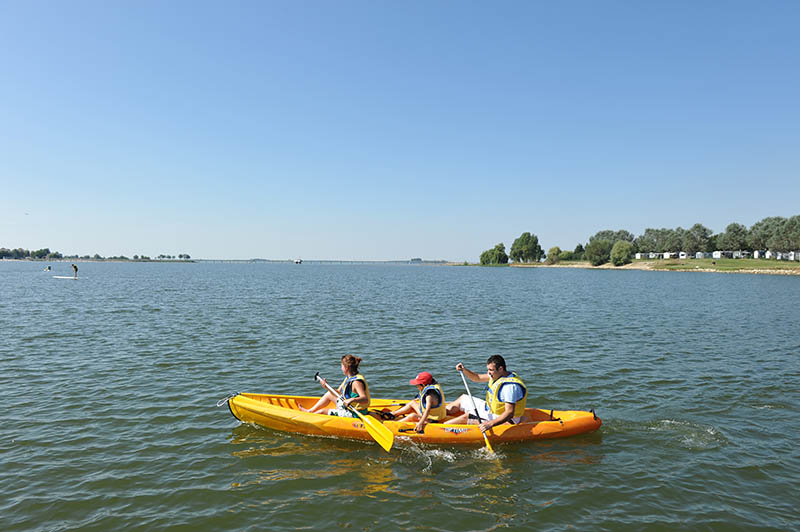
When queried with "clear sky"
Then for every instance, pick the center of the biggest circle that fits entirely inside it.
(382, 130)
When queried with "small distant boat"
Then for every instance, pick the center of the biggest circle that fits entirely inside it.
(298, 261)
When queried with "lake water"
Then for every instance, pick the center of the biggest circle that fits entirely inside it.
(110, 384)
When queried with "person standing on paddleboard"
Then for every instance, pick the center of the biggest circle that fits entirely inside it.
(429, 405)
(75, 269)
(505, 397)
(354, 392)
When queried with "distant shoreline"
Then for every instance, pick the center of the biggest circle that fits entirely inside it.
(751, 266)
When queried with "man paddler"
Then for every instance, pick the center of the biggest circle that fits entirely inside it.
(505, 397)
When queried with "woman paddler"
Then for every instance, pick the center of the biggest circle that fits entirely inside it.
(354, 392)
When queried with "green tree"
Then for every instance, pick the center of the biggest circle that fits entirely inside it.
(735, 238)
(647, 241)
(674, 239)
(552, 255)
(598, 252)
(526, 248)
(660, 240)
(496, 255)
(792, 228)
(761, 232)
(697, 238)
(565, 255)
(621, 253)
(578, 253)
(613, 236)
(653, 240)
(40, 253)
(787, 236)
(716, 242)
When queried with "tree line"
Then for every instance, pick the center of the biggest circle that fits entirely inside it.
(46, 254)
(774, 233)
(526, 248)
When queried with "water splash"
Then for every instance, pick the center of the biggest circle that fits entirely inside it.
(690, 435)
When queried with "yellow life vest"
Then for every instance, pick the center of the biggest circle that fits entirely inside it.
(437, 413)
(346, 389)
(496, 406)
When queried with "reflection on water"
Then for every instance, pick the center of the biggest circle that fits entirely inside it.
(375, 478)
(289, 455)
(574, 456)
(374, 470)
(473, 482)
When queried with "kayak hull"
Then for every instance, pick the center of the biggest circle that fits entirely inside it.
(281, 412)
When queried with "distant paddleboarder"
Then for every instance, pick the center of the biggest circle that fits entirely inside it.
(75, 269)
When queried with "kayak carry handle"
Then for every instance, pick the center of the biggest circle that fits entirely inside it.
(225, 400)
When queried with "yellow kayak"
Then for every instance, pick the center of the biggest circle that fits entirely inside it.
(281, 412)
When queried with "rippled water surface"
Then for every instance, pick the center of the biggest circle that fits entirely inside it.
(110, 384)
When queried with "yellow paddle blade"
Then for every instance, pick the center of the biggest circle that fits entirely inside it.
(378, 431)
(488, 445)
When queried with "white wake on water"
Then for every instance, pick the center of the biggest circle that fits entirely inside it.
(691, 435)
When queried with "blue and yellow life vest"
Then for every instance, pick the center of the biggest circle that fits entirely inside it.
(496, 406)
(346, 389)
(437, 413)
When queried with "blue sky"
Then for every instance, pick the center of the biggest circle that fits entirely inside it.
(389, 130)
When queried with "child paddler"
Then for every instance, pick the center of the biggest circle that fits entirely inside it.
(353, 390)
(427, 406)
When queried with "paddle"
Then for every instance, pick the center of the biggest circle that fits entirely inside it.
(376, 429)
(485, 437)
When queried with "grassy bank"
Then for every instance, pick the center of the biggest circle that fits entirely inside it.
(691, 265)
(727, 265)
